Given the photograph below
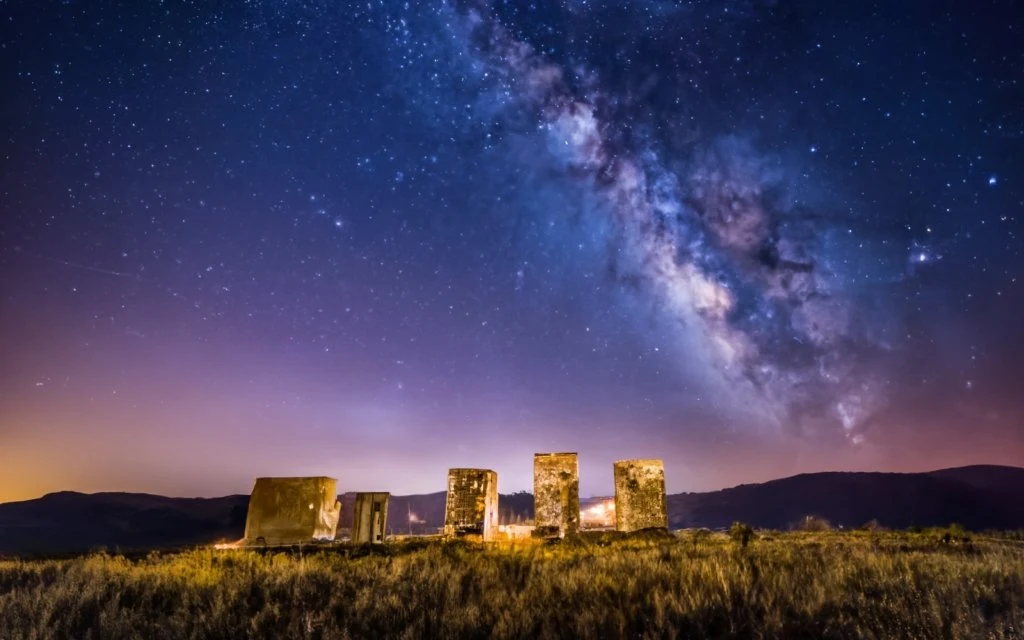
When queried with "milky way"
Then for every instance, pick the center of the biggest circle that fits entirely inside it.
(715, 238)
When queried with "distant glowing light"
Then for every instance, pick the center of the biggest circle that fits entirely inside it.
(600, 514)
(992, 181)
(922, 257)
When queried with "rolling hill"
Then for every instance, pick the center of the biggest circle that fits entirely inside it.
(978, 497)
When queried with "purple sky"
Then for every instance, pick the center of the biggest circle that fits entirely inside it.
(376, 242)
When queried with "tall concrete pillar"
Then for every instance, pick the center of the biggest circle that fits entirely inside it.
(556, 494)
(471, 506)
(640, 501)
(370, 518)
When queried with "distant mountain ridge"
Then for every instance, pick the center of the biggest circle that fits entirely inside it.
(68, 521)
(978, 497)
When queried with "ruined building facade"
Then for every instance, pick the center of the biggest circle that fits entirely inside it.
(471, 506)
(292, 511)
(370, 518)
(640, 501)
(556, 494)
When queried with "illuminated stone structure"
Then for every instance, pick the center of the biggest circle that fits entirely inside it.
(370, 517)
(640, 501)
(472, 503)
(292, 511)
(556, 494)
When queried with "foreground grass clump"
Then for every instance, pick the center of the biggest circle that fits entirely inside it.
(700, 584)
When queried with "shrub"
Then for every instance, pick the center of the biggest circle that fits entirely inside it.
(955, 533)
(814, 524)
(872, 525)
(741, 533)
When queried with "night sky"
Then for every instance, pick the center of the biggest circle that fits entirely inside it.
(376, 240)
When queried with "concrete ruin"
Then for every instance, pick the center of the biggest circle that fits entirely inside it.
(286, 511)
(471, 507)
(370, 517)
(556, 494)
(640, 501)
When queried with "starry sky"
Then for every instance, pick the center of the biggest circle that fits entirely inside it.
(376, 240)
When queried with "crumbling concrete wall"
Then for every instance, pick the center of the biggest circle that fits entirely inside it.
(556, 494)
(472, 503)
(370, 517)
(640, 501)
(292, 511)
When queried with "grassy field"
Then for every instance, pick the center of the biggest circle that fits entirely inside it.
(694, 585)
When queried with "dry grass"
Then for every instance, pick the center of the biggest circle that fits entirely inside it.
(697, 585)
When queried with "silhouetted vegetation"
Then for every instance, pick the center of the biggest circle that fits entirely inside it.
(741, 533)
(873, 584)
(814, 524)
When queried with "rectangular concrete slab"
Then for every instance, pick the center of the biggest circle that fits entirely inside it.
(556, 494)
(292, 511)
(471, 506)
(369, 524)
(640, 501)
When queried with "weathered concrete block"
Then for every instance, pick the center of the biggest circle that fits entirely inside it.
(371, 517)
(556, 494)
(640, 501)
(292, 511)
(472, 503)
